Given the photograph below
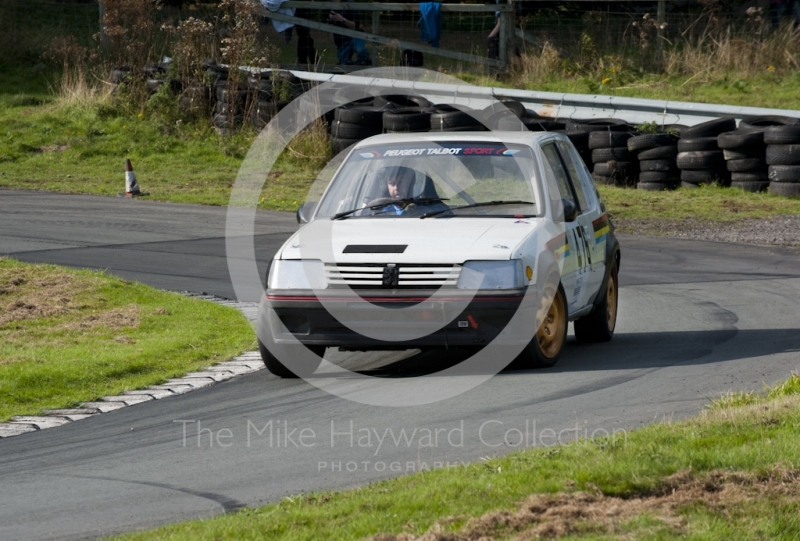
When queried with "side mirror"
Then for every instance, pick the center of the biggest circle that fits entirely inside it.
(305, 212)
(565, 210)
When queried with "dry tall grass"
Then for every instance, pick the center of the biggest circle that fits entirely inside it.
(713, 50)
(78, 82)
(131, 32)
(77, 87)
(736, 51)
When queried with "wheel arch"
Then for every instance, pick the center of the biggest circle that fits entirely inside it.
(613, 255)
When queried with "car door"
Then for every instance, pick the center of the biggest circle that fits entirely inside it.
(575, 255)
(592, 220)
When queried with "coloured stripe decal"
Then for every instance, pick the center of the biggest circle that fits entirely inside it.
(559, 245)
(602, 226)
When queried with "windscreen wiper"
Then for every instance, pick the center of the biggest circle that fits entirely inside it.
(402, 202)
(474, 205)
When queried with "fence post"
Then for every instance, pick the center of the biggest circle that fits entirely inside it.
(661, 20)
(103, 37)
(376, 16)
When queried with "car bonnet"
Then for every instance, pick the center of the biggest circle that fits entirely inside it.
(445, 240)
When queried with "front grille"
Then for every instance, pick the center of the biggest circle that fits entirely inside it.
(381, 276)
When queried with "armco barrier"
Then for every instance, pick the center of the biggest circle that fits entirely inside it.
(559, 105)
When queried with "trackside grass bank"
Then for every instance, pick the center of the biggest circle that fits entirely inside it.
(706, 203)
(730, 473)
(70, 336)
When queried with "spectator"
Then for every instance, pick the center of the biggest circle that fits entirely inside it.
(306, 54)
(493, 40)
(345, 45)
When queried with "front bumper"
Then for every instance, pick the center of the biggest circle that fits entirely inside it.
(286, 317)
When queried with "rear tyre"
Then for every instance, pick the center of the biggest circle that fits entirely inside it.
(279, 369)
(544, 349)
(599, 325)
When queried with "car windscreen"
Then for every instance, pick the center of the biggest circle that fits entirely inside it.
(429, 179)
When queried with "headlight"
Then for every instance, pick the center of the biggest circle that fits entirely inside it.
(297, 274)
(491, 275)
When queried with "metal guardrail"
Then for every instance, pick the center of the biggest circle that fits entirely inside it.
(558, 105)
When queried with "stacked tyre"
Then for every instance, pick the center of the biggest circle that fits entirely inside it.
(783, 159)
(194, 100)
(578, 132)
(353, 123)
(612, 162)
(766, 121)
(454, 118)
(264, 107)
(404, 113)
(231, 103)
(407, 120)
(700, 159)
(744, 151)
(656, 153)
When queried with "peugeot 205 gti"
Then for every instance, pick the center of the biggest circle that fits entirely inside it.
(445, 240)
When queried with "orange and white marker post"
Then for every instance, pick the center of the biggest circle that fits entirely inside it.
(131, 185)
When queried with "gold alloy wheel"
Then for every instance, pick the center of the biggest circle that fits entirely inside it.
(553, 331)
(611, 301)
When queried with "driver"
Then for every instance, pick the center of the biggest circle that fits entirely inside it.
(401, 198)
(399, 182)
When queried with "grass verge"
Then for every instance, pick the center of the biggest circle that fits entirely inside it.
(69, 336)
(729, 473)
(707, 203)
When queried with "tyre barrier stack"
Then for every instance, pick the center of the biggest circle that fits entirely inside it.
(700, 159)
(368, 116)
(783, 159)
(656, 153)
(255, 101)
(407, 119)
(611, 171)
(352, 123)
(405, 114)
(744, 152)
(612, 162)
(264, 107)
(763, 153)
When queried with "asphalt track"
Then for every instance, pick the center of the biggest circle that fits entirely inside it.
(697, 319)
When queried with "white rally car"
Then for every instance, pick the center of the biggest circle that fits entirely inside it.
(429, 240)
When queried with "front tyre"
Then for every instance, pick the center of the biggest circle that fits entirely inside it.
(544, 349)
(599, 325)
(279, 369)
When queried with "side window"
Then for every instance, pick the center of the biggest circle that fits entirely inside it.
(553, 162)
(577, 179)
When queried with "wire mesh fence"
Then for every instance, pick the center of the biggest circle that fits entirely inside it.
(578, 31)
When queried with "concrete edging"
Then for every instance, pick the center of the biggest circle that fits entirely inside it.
(246, 363)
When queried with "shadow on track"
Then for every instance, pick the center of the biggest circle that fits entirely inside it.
(632, 351)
